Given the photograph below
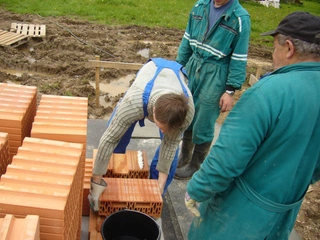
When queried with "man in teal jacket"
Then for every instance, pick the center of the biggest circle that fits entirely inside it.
(214, 52)
(252, 183)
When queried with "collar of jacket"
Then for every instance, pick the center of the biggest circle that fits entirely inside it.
(228, 12)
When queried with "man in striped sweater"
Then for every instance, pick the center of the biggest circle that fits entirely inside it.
(160, 94)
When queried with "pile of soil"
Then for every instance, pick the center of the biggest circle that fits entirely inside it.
(58, 64)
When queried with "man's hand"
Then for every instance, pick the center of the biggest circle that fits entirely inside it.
(95, 191)
(225, 103)
(191, 205)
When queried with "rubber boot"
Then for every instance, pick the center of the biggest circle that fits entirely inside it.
(185, 154)
(199, 154)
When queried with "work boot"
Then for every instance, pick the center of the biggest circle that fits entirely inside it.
(185, 154)
(199, 154)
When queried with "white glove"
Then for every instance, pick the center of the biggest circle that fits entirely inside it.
(191, 205)
(95, 192)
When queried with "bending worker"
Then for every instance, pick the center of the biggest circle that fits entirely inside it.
(253, 181)
(159, 93)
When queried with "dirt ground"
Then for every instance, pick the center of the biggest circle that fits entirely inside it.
(58, 65)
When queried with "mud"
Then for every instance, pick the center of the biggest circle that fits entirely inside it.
(58, 65)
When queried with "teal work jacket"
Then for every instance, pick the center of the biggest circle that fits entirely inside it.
(226, 43)
(253, 181)
(215, 61)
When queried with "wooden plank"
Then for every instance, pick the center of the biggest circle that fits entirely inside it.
(12, 39)
(24, 29)
(42, 30)
(117, 65)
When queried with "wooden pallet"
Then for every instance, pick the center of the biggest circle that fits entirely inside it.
(12, 39)
(32, 30)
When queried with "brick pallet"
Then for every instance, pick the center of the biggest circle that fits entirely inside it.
(32, 30)
(10, 39)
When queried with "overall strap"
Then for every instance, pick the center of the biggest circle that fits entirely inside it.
(161, 64)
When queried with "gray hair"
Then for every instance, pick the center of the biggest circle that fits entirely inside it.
(304, 49)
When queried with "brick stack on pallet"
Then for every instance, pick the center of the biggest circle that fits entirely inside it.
(45, 173)
(45, 179)
(62, 118)
(19, 228)
(128, 188)
(18, 106)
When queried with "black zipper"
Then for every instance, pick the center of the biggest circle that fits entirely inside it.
(228, 28)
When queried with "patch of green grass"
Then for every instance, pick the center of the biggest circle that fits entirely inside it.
(164, 13)
(267, 18)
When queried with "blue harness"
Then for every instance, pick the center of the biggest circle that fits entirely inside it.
(161, 64)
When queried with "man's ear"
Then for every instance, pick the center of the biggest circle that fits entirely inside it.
(291, 50)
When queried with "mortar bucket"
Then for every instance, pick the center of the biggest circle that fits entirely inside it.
(130, 225)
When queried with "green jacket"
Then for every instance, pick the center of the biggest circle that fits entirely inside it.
(215, 61)
(252, 183)
(226, 43)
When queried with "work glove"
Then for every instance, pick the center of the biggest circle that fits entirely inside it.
(95, 191)
(191, 205)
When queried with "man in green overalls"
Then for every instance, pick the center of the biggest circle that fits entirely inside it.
(214, 52)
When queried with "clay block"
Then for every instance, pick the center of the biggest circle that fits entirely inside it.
(4, 152)
(95, 223)
(18, 106)
(52, 190)
(86, 186)
(129, 193)
(128, 165)
(20, 228)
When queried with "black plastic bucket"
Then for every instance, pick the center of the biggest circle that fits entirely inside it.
(130, 225)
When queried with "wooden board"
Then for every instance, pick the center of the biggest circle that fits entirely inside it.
(32, 30)
(117, 65)
(12, 39)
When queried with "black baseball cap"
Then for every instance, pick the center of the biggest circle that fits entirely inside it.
(299, 25)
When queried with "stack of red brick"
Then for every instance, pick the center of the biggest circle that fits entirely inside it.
(128, 188)
(47, 147)
(45, 172)
(18, 105)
